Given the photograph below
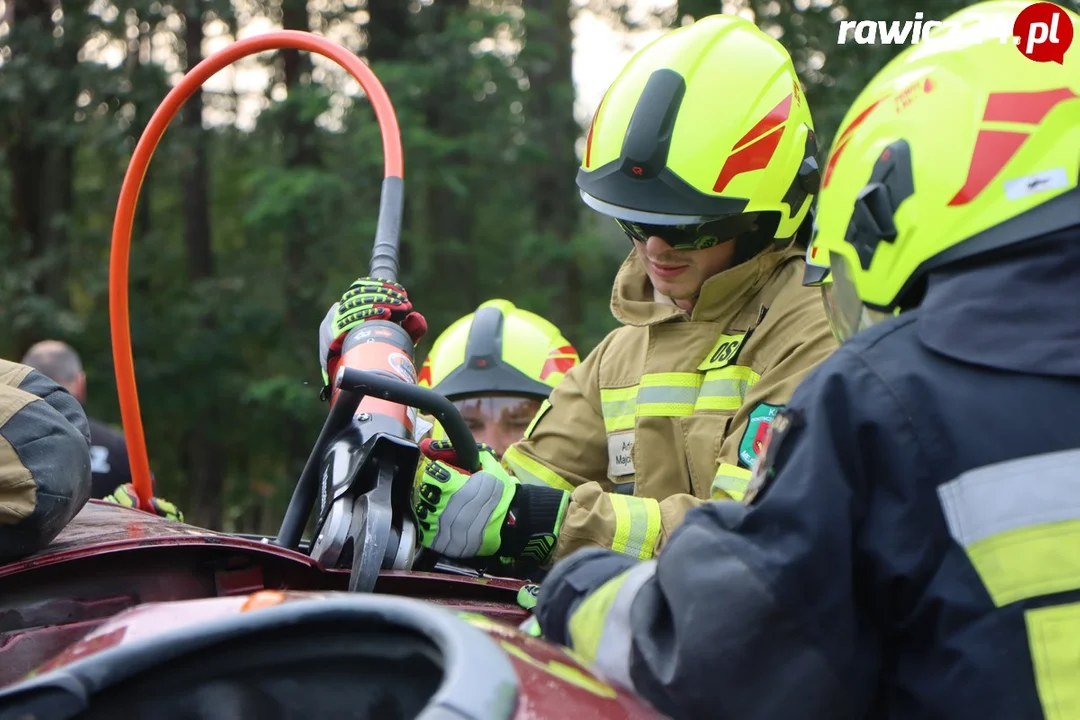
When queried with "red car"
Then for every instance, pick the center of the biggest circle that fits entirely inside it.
(130, 615)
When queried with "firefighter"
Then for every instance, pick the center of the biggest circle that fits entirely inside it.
(710, 173)
(44, 460)
(109, 468)
(909, 545)
(497, 365)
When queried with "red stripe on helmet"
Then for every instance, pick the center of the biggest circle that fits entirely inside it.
(774, 118)
(559, 360)
(754, 156)
(424, 377)
(756, 148)
(995, 148)
(1029, 108)
(845, 137)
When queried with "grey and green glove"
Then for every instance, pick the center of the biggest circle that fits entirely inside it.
(366, 299)
(125, 495)
(484, 514)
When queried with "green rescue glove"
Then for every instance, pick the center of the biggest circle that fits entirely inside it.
(125, 495)
(526, 598)
(527, 595)
(488, 513)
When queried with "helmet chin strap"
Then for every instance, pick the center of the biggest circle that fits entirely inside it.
(756, 241)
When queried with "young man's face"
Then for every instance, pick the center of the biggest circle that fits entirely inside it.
(498, 420)
(679, 274)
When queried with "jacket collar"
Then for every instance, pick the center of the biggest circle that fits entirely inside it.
(1015, 313)
(635, 302)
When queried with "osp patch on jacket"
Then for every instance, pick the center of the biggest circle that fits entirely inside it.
(724, 352)
(777, 432)
(757, 428)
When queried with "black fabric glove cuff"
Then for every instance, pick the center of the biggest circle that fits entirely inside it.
(569, 582)
(531, 529)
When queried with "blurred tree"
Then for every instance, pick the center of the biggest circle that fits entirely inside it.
(41, 82)
(260, 205)
(552, 167)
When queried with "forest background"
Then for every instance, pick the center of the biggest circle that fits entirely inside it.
(261, 202)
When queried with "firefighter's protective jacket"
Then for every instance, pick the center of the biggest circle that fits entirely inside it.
(44, 460)
(912, 550)
(670, 409)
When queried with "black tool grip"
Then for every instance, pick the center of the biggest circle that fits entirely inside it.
(384, 254)
(364, 383)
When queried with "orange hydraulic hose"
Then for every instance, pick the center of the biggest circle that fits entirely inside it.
(136, 173)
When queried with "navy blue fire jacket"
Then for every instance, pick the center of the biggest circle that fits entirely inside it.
(913, 548)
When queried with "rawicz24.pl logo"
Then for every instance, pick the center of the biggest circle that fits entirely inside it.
(1041, 32)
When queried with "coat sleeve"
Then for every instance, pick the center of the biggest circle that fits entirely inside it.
(566, 448)
(751, 612)
(797, 338)
(44, 460)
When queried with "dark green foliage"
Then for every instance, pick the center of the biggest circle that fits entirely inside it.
(225, 349)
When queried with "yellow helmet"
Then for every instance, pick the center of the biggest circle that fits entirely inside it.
(959, 146)
(706, 129)
(498, 349)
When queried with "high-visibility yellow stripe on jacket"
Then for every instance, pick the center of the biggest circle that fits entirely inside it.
(1019, 524)
(637, 525)
(675, 395)
(531, 472)
(731, 481)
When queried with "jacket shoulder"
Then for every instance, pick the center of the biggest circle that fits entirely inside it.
(794, 320)
(12, 374)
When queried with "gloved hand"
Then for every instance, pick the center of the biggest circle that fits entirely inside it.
(527, 595)
(526, 598)
(366, 299)
(125, 495)
(461, 515)
(488, 513)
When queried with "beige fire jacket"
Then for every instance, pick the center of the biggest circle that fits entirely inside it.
(44, 460)
(670, 410)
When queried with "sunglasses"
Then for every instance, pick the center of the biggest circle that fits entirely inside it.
(699, 236)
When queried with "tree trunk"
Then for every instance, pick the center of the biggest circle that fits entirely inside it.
(388, 30)
(301, 151)
(42, 163)
(447, 212)
(304, 277)
(205, 464)
(554, 129)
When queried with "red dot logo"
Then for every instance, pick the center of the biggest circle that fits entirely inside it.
(1043, 32)
(637, 170)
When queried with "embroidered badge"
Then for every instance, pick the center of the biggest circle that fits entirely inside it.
(723, 353)
(621, 454)
(764, 471)
(753, 438)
